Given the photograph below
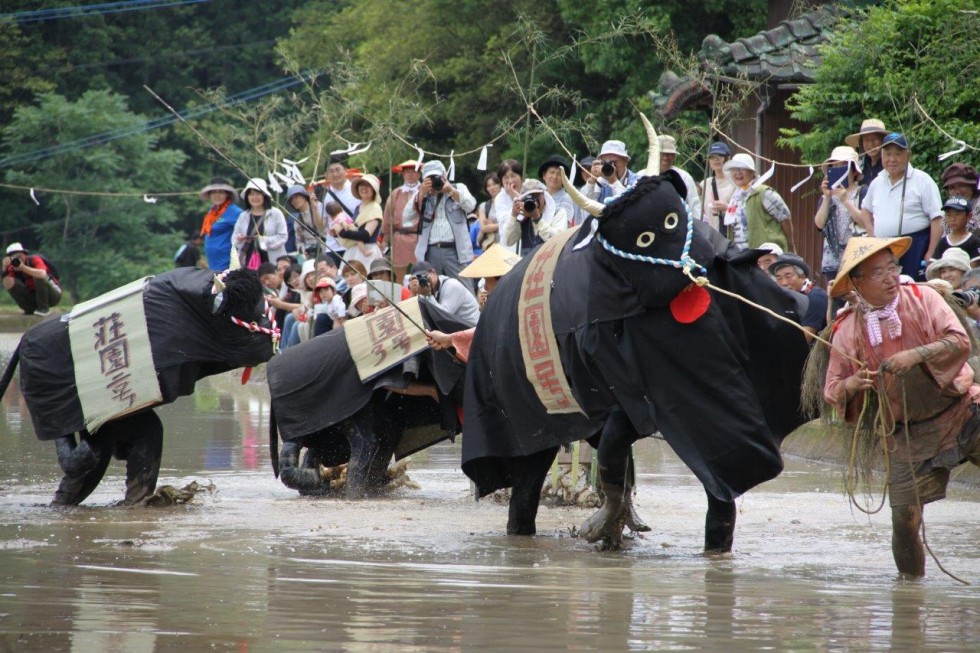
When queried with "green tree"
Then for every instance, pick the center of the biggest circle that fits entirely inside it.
(98, 241)
(884, 60)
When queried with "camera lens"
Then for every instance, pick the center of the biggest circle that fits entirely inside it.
(607, 168)
(530, 205)
(437, 183)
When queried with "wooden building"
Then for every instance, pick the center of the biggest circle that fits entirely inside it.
(773, 64)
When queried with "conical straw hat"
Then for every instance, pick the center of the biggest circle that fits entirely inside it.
(495, 262)
(860, 249)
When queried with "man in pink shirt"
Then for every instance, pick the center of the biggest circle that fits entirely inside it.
(916, 350)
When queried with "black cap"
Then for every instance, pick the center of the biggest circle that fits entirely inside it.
(422, 266)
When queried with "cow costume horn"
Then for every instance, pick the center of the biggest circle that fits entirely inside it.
(653, 160)
(592, 207)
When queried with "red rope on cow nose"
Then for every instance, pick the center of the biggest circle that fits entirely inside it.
(254, 327)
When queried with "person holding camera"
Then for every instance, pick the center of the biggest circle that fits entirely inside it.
(839, 211)
(534, 217)
(610, 176)
(440, 208)
(30, 281)
(450, 294)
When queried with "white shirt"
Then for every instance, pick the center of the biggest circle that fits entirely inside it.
(693, 199)
(345, 195)
(884, 201)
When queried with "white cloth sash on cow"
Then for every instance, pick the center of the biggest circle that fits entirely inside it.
(110, 347)
(539, 347)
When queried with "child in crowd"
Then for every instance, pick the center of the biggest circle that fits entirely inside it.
(354, 274)
(329, 311)
(958, 211)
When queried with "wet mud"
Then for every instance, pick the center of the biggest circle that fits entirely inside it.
(254, 566)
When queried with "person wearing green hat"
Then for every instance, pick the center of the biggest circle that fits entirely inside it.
(30, 281)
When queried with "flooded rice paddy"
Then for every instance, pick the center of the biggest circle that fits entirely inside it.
(252, 566)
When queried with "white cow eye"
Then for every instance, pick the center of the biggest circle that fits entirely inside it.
(671, 221)
(645, 239)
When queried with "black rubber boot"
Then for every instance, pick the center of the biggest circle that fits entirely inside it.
(529, 474)
(81, 475)
(633, 520)
(305, 480)
(608, 521)
(719, 525)
(363, 449)
(143, 455)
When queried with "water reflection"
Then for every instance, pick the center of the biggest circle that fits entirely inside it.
(256, 567)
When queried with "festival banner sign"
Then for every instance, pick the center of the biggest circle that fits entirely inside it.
(110, 345)
(380, 340)
(539, 347)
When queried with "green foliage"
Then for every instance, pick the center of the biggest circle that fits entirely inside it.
(883, 59)
(98, 242)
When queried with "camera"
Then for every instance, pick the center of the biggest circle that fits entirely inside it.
(967, 298)
(608, 168)
(530, 205)
(15, 261)
(423, 279)
(438, 183)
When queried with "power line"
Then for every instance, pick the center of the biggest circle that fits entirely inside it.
(167, 55)
(85, 11)
(106, 137)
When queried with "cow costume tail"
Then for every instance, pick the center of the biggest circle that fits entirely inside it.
(8, 374)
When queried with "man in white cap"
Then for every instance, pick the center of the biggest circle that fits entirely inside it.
(756, 213)
(442, 207)
(29, 281)
(401, 236)
(906, 341)
(904, 201)
(668, 154)
(610, 174)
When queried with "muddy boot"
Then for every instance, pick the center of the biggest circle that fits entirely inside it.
(633, 520)
(305, 480)
(387, 438)
(363, 450)
(142, 453)
(529, 474)
(607, 522)
(84, 466)
(719, 526)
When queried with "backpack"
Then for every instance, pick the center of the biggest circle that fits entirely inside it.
(52, 268)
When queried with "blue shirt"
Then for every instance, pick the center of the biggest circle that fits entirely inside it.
(217, 245)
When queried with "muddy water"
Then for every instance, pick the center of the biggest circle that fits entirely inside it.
(255, 567)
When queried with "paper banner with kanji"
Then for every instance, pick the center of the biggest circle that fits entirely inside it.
(110, 346)
(380, 340)
(539, 347)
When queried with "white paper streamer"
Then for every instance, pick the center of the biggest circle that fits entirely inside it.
(452, 166)
(418, 163)
(571, 179)
(347, 150)
(946, 155)
(296, 175)
(797, 186)
(288, 181)
(296, 163)
(148, 199)
(766, 177)
(481, 165)
(837, 184)
(357, 149)
(34, 197)
(273, 184)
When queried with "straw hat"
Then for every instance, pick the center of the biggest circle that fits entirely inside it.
(411, 163)
(371, 181)
(858, 250)
(869, 126)
(954, 257)
(219, 183)
(495, 262)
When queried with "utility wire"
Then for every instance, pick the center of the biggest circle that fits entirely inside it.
(106, 137)
(85, 11)
(157, 57)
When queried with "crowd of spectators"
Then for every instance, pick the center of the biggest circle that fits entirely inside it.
(343, 229)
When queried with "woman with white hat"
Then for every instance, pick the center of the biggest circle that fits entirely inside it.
(260, 232)
(954, 263)
(309, 213)
(362, 240)
(756, 213)
(219, 223)
(839, 214)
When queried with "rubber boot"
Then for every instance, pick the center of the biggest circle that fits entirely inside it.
(719, 526)
(529, 474)
(607, 522)
(81, 476)
(144, 452)
(633, 520)
(387, 435)
(363, 449)
(305, 480)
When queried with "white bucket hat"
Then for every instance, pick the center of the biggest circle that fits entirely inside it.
(257, 183)
(668, 144)
(14, 248)
(848, 155)
(954, 257)
(740, 161)
(614, 147)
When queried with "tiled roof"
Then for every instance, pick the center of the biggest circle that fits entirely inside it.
(786, 53)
